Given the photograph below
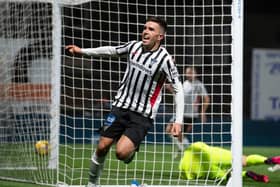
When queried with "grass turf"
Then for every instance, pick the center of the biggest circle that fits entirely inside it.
(128, 172)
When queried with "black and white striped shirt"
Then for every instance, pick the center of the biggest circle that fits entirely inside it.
(146, 72)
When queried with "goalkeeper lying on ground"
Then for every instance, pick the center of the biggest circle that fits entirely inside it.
(201, 161)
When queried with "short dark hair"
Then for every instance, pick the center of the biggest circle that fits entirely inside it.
(159, 21)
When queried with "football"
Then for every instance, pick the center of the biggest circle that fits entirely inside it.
(42, 147)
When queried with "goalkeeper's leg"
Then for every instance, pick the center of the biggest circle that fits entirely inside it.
(255, 176)
(273, 160)
(259, 159)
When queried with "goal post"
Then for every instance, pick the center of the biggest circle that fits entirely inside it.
(47, 93)
(55, 82)
(237, 89)
(30, 89)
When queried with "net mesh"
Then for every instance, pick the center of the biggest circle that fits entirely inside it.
(199, 35)
(25, 84)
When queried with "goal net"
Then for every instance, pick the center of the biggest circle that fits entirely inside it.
(29, 84)
(46, 90)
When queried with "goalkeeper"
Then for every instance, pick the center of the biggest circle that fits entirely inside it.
(202, 161)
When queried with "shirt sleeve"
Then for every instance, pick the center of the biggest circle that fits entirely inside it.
(173, 78)
(100, 51)
(107, 50)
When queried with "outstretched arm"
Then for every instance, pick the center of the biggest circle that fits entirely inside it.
(99, 51)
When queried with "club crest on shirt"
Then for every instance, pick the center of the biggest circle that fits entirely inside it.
(153, 61)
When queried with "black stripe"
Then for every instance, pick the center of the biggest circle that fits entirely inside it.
(143, 82)
(169, 69)
(128, 87)
(131, 47)
(152, 80)
(161, 80)
(123, 46)
(125, 80)
(128, 71)
(146, 59)
(139, 57)
(156, 56)
(145, 78)
(140, 95)
(134, 53)
(134, 87)
(125, 76)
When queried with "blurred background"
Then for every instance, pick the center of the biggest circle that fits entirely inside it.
(261, 86)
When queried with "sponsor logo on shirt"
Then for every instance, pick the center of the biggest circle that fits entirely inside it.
(174, 72)
(142, 68)
(110, 119)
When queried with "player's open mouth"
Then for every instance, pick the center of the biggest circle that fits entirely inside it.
(145, 38)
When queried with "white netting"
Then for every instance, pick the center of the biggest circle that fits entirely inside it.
(199, 35)
(25, 84)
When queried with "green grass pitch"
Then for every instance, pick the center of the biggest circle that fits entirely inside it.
(266, 151)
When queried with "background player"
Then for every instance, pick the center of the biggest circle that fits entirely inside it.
(149, 65)
(196, 98)
(201, 161)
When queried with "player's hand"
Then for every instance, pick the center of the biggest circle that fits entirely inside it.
(176, 129)
(73, 49)
(169, 88)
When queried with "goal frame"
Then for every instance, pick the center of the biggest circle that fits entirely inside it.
(237, 92)
(237, 89)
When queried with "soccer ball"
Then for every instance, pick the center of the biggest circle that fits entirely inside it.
(42, 147)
